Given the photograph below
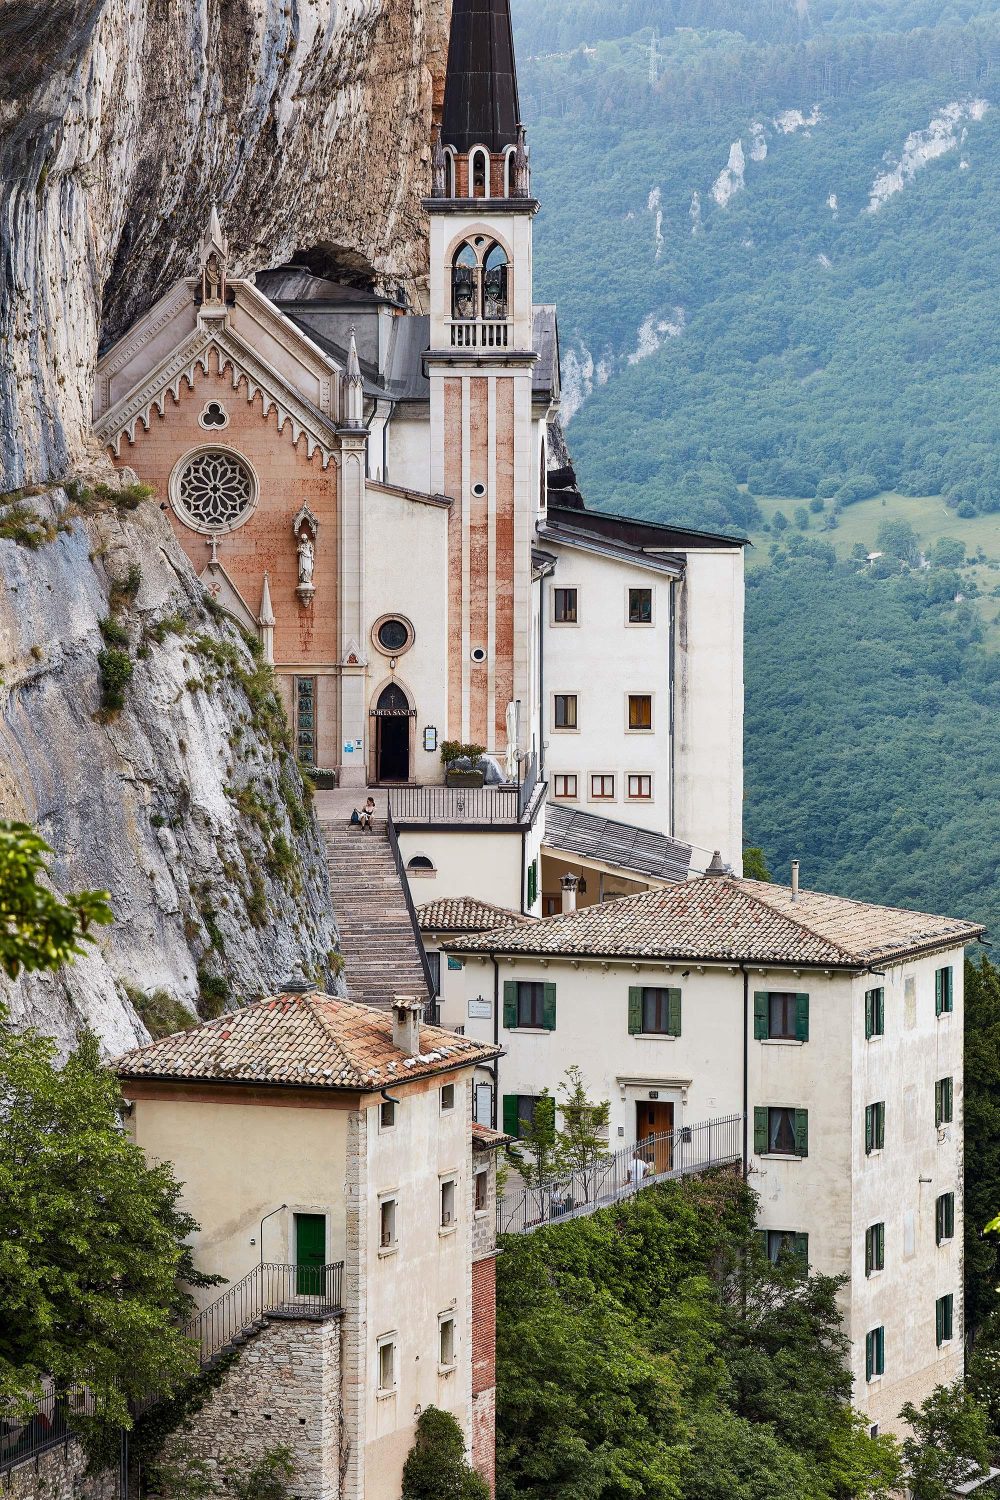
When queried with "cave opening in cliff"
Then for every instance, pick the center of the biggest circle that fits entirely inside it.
(331, 262)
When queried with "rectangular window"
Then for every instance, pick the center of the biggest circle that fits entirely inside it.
(640, 788)
(640, 711)
(386, 1365)
(386, 1115)
(944, 1218)
(653, 1011)
(780, 1131)
(529, 1004)
(387, 1224)
(564, 606)
(640, 606)
(447, 1097)
(944, 1101)
(874, 1127)
(518, 1114)
(434, 964)
(874, 1248)
(875, 1353)
(779, 1242)
(305, 720)
(565, 711)
(602, 788)
(874, 1013)
(446, 1341)
(448, 1203)
(780, 1015)
(565, 786)
(944, 994)
(532, 883)
(944, 1319)
(482, 1190)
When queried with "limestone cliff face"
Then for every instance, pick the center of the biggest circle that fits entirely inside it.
(123, 121)
(185, 804)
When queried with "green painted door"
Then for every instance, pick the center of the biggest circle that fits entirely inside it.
(310, 1254)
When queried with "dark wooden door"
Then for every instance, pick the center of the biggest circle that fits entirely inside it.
(652, 1119)
(310, 1254)
(393, 749)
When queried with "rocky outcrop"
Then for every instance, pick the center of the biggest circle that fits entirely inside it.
(185, 803)
(123, 121)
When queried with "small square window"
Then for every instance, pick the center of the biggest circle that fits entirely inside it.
(386, 1115)
(565, 786)
(640, 606)
(386, 1365)
(387, 1224)
(564, 606)
(446, 1341)
(602, 788)
(640, 711)
(482, 1190)
(787, 1242)
(640, 788)
(786, 1132)
(448, 1204)
(447, 1097)
(565, 711)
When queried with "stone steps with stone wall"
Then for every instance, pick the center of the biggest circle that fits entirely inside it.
(381, 955)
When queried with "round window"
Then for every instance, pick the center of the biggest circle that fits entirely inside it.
(393, 634)
(214, 490)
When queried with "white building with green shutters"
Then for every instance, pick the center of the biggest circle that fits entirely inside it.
(832, 1028)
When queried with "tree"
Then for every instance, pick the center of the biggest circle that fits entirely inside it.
(38, 930)
(582, 1139)
(898, 539)
(536, 1153)
(948, 552)
(949, 1442)
(779, 521)
(755, 864)
(92, 1240)
(982, 1142)
(436, 1466)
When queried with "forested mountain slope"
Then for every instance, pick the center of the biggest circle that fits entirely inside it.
(772, 232)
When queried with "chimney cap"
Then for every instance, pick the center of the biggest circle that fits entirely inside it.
(570, 882)
(716, 867)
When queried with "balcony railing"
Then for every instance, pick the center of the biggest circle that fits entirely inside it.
(480, 334)
(675, 1153)
(490, 806)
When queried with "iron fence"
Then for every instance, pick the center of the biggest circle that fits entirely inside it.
(455, 804)
(49, 1423)
(659, 1158)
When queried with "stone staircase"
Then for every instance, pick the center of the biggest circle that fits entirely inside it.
(381, 953)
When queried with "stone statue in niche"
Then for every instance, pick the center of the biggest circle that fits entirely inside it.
(213, 279)
(305, 529)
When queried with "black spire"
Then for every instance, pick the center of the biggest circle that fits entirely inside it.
(480, 93)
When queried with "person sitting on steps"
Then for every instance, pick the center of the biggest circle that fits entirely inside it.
(367, 813)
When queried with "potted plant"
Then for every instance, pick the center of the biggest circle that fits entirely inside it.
(470, 774)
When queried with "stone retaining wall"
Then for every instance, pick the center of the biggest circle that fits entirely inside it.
(58, 1474)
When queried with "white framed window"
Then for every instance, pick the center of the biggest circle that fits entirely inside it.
(446, 1342)
(602, 786)
(565, 786)
(387, 1225)
(639, 713)
(564, 711)
(386, 1116)
(387, 1374)
(565, 607)
(447, 1097)
(482, 1199)
(640, 787)
(449, 1205)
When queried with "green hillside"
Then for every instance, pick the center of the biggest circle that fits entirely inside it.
(791, 355)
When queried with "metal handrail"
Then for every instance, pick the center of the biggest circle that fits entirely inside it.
(487, 805)
(47, 1425)
(393, 837)
(669, 1155)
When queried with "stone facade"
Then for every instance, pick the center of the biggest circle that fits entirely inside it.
(282, 1391)
(59, 1474)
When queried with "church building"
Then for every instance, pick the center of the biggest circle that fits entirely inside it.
(380, 493)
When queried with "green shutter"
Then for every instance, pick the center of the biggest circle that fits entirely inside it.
(802, 1132)
(869, 1129)
(869, 1253)
(673, 1012)
(939, 1320)
(510, 1114)
(880, 1351)
(880, 1125)
(949, 1215)
(760, 1027)
(939, 1220)
(510, 1002)
(549, 1007)
(879, 1012)
(802, 1018)
(800, 1249)
(635, 1009)
(949, 1099)
(880, 1246)
(869, 1014)
(760, 1130)
(869, 1355)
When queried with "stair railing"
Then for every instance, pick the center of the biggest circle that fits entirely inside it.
(393, 837)
(294, 1291)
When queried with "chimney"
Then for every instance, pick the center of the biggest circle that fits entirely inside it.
(717, 868)
(406, 1013)
(795, 880)
(569, 884)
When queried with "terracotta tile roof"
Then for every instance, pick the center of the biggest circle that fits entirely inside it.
(466, 914)
(485, 1139)
(723, 918)
(313, 1041)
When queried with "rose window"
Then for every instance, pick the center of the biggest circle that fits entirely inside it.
(214, 491)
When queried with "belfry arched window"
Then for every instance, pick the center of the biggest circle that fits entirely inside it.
(465, 283)
(479, 173)
(495, 283)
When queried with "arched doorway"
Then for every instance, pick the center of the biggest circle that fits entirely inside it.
(392, 735)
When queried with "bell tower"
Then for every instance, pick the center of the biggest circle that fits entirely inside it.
(483, 442)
